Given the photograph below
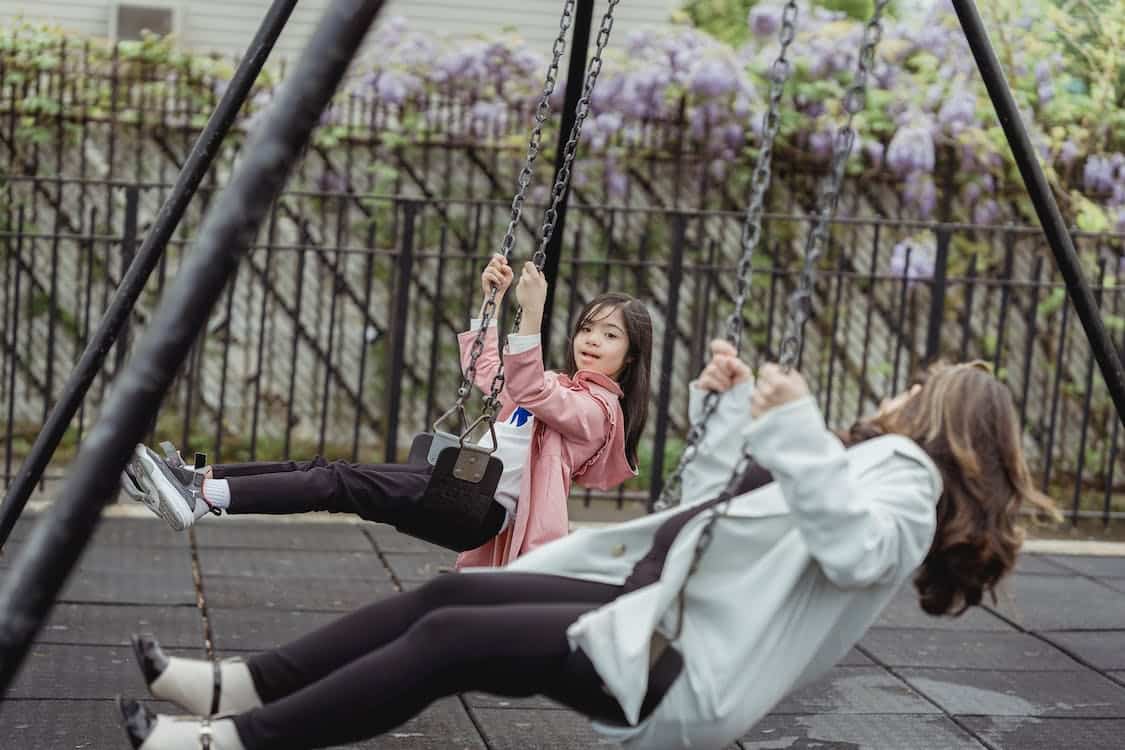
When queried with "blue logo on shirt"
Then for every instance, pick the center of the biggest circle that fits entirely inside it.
(519, 417)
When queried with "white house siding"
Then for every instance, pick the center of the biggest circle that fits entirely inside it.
(227, 26)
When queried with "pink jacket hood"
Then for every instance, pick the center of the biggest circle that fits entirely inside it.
(579, 436)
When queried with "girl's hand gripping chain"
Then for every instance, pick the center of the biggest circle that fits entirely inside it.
(531, 293)
(725, 370)
(776, 387)
(496, 274)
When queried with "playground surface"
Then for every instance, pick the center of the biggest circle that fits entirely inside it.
(1042, 669)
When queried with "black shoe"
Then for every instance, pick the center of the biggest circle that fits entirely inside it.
(138, 721)
(150, 657)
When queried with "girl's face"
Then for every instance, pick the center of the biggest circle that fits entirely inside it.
(601, 343)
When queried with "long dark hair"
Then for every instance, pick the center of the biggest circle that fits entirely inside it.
(634, 377)
(964, 418)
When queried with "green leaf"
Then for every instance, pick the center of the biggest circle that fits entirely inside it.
(1091, 218)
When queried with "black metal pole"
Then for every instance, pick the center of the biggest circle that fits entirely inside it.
(575, 78)
(231, 225)
(133, 282)
(1044, 201)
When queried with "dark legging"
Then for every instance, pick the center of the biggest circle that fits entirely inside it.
(503, 633)
(375, 492)
(372, 670)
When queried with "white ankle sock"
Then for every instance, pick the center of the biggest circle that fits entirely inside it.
(189, 684)
(182, 733)
(217, 492)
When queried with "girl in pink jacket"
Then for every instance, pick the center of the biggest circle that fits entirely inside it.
(553, 428)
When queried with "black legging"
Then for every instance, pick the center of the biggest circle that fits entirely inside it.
(372, 670)
(503, 633)
(375, 492)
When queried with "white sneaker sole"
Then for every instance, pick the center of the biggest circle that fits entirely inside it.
(162, 497)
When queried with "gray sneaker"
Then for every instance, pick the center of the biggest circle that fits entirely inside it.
(131, 476)
(167, 486)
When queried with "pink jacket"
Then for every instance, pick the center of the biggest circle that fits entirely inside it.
(579, 435)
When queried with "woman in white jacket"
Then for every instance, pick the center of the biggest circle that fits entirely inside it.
(797, 570)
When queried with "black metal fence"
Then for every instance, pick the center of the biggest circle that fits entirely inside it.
(338, 335)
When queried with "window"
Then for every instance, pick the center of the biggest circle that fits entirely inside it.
(128, 20)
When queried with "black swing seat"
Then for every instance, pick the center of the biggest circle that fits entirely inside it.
(455, 513)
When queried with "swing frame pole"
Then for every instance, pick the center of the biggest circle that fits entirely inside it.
(195, 167)
(1046, 208)
(234, 221)
(575, 80)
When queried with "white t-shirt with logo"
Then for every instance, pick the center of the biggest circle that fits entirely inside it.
(513, 436)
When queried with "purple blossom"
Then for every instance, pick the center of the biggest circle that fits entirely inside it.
(393, 87)
(606, 93)
(764, 20)
(820, 144)
(617, 183)
(718, 168)
(874, 151)
(958, 111)
(1068, 152)
(713, 78)
(913, 260)
(920, 192)
(1118, 196)
(1098, 177)
(1117, 161)
(734, 137)
(638, 41)
(986, 212)
(1119, 226)
(488, 118)
(911, 150)
(1045, 91)
(742, 106)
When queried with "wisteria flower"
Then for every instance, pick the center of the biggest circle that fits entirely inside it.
(764, 19)
(913, 260)
(911, 150)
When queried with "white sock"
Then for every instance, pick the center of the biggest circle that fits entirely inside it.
(182, 733)
(189, 683)
(217, 492)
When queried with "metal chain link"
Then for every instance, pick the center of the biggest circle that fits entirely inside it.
(751, 235)
(800, 302)
(542, 111)
(855, 100)
(562, 180)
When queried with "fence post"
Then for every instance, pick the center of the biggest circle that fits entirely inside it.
(398, 327)
(128, 253)
(941, 262)
(11, 341)
(667, 354)
(132, 284)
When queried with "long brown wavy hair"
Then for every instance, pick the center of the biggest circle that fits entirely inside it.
(965, 420)
(634, 379)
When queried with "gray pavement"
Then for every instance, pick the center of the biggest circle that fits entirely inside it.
(1043, 668)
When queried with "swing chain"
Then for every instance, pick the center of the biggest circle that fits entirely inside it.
(854, 101)
(562, 180)
(751, 235)
(542, 110)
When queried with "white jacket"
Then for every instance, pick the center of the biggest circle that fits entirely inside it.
(794, 576)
